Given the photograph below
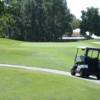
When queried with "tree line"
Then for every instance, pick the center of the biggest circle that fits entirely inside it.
(35, 20)
(44, 20)
(90, 22)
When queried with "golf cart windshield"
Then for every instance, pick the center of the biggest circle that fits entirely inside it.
(83, 52)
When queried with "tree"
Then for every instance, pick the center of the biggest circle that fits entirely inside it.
(33, 20)
(60, 18)
(45, 20)
(5, 19)
(90, 21)
(75, 22)
(38, 20)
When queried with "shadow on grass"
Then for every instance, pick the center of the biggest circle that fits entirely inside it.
(89, 78)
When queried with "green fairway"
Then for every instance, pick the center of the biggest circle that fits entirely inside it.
(20, 84)
(49, 55)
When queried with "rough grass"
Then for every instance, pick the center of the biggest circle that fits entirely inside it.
(18, 84)
(49, 55)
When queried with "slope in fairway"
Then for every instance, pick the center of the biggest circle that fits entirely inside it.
(49, 55)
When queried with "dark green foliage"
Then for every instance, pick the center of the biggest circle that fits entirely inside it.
(1, 8)
(6, 20)
(75, 22)
(38, 20)
(90, 21)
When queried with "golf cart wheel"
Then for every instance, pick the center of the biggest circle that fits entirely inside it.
(83, 73)
(98, 77)
(72, 72)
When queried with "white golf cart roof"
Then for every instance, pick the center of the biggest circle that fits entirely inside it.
(89, 48)
(82, 47)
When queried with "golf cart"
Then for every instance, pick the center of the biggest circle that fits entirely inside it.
(88, 63)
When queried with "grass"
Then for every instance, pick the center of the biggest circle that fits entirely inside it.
(49, 55)
(18, 84)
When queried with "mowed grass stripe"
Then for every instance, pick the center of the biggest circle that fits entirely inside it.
(47, 55)
(18, 84)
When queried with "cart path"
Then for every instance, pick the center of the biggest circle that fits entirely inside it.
(48, 71)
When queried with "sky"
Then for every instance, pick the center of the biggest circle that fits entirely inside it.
(76, 6)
